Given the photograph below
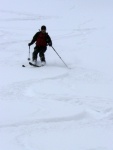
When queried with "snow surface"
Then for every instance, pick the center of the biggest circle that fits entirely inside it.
(53, 107)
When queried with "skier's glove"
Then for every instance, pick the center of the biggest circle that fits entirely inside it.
(50, 44)
(29, 44)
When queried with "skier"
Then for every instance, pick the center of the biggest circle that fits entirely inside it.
(42, 39)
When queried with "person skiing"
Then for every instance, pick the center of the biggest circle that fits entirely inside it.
(42, 40)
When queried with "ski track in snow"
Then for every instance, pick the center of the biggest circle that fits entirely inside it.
(77, 32)
(23, 16)
(25, 91)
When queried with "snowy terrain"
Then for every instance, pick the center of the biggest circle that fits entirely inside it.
(53, 107)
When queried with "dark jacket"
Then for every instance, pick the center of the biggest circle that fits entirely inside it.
(35, 37)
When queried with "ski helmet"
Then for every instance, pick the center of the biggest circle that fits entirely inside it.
(43, 27)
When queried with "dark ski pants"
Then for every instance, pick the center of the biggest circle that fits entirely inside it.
(40, 51)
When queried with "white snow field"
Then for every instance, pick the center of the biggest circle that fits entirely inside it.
(55, 107)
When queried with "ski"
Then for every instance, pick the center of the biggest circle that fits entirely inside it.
(30, 63)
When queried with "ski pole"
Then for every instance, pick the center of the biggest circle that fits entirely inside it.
(29, 53)
(59, 57)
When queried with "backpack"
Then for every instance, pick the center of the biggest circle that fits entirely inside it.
(41, 39)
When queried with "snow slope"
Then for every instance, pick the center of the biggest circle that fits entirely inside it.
(53, 107)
